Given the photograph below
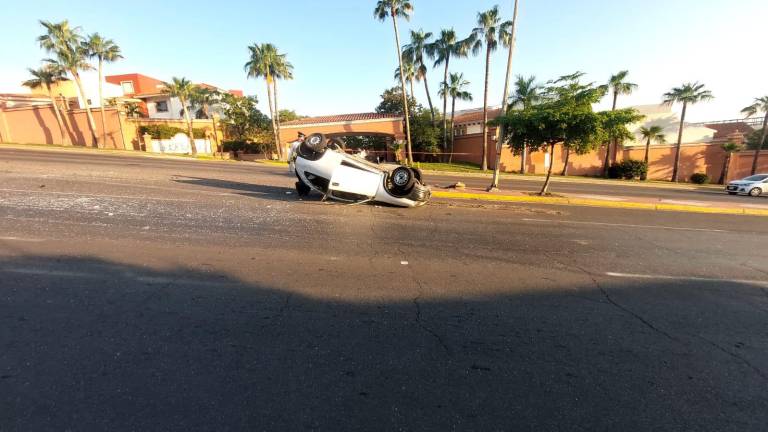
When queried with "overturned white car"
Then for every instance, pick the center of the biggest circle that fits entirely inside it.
(322, 165)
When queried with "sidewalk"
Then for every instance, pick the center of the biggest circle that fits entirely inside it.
(635, 203)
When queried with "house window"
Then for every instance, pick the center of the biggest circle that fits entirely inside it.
(161, 106)
(127, 87)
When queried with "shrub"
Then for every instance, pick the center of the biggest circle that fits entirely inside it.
(246, 147)
(629, 169)
(700, 178)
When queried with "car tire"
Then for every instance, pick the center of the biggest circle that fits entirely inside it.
(316, 142)
(403, 179)
(755, 192)
(417, 174)
(301, 189)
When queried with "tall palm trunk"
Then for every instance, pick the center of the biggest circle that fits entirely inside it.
(614, 142)
(413, 93)
(88, 113)
(760, 145)
(277, 119)
(565, 162)
(190, 129)
(545, 188)
(101, 104)
(676, 168)
(402, 85)
(453, 134)
(445, 106)
(56, 111)
(429, 100)
(484, 165)
(500, 132)
(272, 116)
(726, 168)
(647, 158)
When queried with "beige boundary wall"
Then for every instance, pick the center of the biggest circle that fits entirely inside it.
(38, 125)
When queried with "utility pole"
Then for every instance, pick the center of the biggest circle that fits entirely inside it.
(504, 104)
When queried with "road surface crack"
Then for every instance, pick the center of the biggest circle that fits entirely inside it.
(743, 360)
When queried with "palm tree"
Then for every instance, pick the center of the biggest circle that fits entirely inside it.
(687, 94)
(414, 52)
(65, 43)
(398, 9)
(264, 62)
(442, 50)
(283, 70)
(410, 75)
(730, 148)
(105, 51)
(204, 97)
(455, 89)
(617, 85)
(500, 132)
(527, 94)
(183, 89)
(760, 105)
(653, 133)
(489, 33)
(45, 77)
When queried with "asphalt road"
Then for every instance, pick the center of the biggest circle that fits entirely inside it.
(149, 294)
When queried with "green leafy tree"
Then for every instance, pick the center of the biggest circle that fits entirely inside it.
(243, 121)
(290, 115)
(456, 90)
(205, 98)
(760, 105)
(415, 53)
(617, 85)
(398, 9)
(615, 124)
(266, 62)
(650, 134)
(564, 116)
(527, 93)
(392, 102)
(426, 137)
(183, 89)
(729, 148)
(66, 44)
(687, 94)
(44, 78)
(489, 33)
(443, 49)
(104, 51)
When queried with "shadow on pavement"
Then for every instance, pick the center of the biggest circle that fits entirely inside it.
(245, 189)
(93, 345)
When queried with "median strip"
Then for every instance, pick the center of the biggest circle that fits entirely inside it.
(586, 202)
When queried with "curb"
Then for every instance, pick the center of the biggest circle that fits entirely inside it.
(598, 203)
(110, 152)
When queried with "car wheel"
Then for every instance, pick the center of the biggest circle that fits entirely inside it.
(417, 173)
(755, 192)
(403, 179)
(302, 189)
(316, 142)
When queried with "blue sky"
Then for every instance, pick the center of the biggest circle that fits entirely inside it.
(344, 59)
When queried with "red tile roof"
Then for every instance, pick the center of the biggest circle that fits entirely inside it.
(343, 118)
(476, 116)
(725, 130)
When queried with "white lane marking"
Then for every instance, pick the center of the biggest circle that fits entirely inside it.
(685, 278)
(599, 197)
(139, 278)
(628, 225)
(20, 239)
(96, 195)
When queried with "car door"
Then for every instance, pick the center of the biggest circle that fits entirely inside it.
(351, 179)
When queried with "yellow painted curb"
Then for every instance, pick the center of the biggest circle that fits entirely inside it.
(598, 203)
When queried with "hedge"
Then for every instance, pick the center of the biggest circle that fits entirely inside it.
(629, 169)
(700, 178)
(245, 147)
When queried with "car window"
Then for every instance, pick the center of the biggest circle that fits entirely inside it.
(757, 178)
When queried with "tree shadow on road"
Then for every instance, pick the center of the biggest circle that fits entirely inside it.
(92, 345)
